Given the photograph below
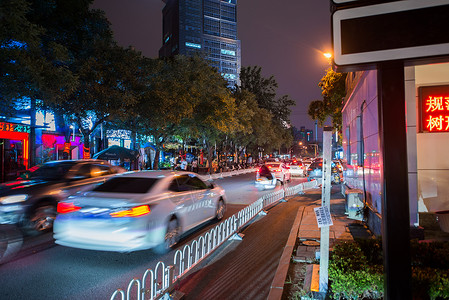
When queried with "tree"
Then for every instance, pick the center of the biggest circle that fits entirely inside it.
(333, 90)
(29, 66)
(185, 97)
(93, 60)
(264, 91)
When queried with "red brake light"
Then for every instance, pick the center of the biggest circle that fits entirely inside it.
(66, 207)
(133, 212)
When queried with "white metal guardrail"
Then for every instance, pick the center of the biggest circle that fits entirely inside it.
(156, 282)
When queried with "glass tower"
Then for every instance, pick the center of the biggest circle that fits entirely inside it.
(207, 27)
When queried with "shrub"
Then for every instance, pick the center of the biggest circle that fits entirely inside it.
(351, 275)
(356, 270)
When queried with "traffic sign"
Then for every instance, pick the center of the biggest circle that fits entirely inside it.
(401, 30)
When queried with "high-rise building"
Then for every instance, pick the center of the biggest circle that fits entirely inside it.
(207, 27)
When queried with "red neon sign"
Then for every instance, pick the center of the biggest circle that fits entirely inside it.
(434, 108)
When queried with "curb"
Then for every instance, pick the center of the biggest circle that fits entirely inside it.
(277, 285)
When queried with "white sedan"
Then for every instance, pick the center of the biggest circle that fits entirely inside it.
(138, 210)
(280, 170)
(297, 169)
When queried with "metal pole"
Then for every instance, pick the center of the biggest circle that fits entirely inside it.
(325, 201)
(395, 205)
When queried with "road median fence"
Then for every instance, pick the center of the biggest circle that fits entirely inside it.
(155, 283)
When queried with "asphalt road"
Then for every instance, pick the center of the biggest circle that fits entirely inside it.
(43, 270)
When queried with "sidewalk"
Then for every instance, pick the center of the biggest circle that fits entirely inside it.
(308, 235)
(256, 267)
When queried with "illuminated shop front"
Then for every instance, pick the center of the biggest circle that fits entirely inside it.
(14, 150)
(427, 112)
(55, 147)
(119, 137)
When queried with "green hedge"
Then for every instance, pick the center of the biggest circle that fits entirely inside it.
(356, 270)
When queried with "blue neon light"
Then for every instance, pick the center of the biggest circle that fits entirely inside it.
(193, 45)
(227, 52)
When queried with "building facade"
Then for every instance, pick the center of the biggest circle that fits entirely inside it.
(204, 27)
(427, 115)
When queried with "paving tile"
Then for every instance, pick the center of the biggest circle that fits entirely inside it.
(308, 227)
(312, 234)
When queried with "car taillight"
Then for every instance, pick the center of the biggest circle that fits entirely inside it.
(66, 207)
(132, 212)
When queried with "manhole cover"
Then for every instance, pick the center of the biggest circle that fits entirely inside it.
(311, 243)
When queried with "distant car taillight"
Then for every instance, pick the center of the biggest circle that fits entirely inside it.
(67, 207)
(137, 211)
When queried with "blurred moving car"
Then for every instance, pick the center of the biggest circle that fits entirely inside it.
(265, 179)
(280, 170)
(138, 210)
(31, 203)
(297, 169)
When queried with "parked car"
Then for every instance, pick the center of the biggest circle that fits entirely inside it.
(31, 203)
(280, 170)
(265, 178)
(138, 210)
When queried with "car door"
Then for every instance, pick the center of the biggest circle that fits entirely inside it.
(202, 200)
(181, 196)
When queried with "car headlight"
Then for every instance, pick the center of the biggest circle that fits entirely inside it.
(13, 198)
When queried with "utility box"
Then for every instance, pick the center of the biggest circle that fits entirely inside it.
(354, 204)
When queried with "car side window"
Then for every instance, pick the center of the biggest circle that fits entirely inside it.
(183, 184)
(197, 184)
(103, 170)
(83, 172)
(173, 186)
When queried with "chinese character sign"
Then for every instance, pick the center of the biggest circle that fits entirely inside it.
(323, 216)
(434, 108)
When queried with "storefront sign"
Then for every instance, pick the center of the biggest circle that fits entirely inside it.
(14, 127)
(434, 108)
(86, 152)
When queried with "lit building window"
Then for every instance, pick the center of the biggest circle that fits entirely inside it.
(47, 120)
(113, 142)
(227, 52)
(229, 76)
(193, 45)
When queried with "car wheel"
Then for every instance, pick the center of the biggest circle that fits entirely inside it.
(41, 219)
(172, 236)
(221, 209)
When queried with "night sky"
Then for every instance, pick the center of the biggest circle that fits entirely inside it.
(286, 38)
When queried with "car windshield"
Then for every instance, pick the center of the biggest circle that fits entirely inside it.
(132, 185)
(51, 171)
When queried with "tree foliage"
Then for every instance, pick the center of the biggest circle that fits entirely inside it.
(332, 85)
(95, 64)
(271, 115)
(61, 54)
(31, 65)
